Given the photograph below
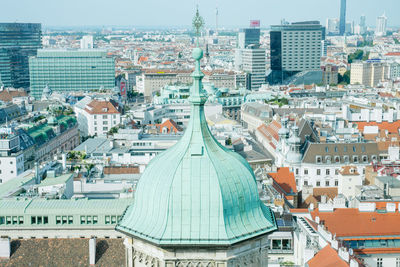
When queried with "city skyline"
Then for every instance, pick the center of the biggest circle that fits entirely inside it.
(97, 13)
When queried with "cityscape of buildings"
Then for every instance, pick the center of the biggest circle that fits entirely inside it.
(265, 145)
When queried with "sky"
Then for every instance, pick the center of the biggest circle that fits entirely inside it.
(232, 13)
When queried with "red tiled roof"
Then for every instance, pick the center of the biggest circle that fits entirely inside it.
(392, 127)
(351, 222)
(101, 107)
(170, 124)
(8, 95)
(285, 179)
(327, 257)
(396, 54)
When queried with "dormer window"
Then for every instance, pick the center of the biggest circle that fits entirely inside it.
(337, 159)
(328, 159)
(365, 158)
(318, 159)
(346, 159)
(355, 159)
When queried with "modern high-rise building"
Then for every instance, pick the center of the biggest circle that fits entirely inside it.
(332, 26)
(248, 36)
(87, 42)
(294, 48)
(381, 23)
(71, 70)
(253, 63)
(250, 57)
(363, 24)
(18, 41)
(342, 23)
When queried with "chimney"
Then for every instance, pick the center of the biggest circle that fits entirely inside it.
(64, 161)
(92, 251)
(5, 248)
(37, 175)
(317, 219)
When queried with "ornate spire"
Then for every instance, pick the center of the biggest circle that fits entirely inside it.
(198, 23)
(196, 95)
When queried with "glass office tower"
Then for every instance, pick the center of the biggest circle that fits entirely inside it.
(71, 70)
(18, 41)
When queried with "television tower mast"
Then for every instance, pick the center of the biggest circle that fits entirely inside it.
(216, 19)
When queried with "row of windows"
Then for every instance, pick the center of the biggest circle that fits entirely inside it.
(346, 159)
(60, 220)
(318, 183)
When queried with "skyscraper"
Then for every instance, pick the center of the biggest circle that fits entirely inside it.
(248, 36)
(71, 70)
(342, 24)
(363, 24)
(18, 41)
(294, 48)
(381, 23)
(250, 57)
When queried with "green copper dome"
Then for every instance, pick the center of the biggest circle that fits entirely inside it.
(197, 192)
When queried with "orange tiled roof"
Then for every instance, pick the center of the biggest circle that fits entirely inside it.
(170, 124)
(8, 95)
(101, 107)
(396, 54)
(392, 127)
(327, 257)
(285, 179)
(352, 222)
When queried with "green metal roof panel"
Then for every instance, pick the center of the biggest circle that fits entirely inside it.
(13, 184)
(63, 206)
(197, 192)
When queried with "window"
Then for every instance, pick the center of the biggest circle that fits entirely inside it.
(276, 243)
(305, 172)
(83, 219)
(105, 122)
(337, 159)
(397, 262)
(327, 172)
(297, 171)
(105, 128)
(354, 149)
(318, 171)
(326, 149)
(326, 183)
(2, 220)
(33, 219)
(318, 159)
(336, 183)
(58, 219)
(107, 219)
(318, 183)
(104, 116)
(336, 149)
(379, 262)
(305, 182)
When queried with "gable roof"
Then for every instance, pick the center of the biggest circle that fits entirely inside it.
(327, 257)
(285, 179)
(353, 223)
(101, 107)
(392, 127)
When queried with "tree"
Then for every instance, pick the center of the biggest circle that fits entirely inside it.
(358, 55)
(345, 78)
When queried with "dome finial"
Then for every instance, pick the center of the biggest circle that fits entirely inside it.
(198, 23)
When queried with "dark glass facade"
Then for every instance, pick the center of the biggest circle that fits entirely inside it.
(276, 50)
(248, 36)
(18, 41)
(342, 23)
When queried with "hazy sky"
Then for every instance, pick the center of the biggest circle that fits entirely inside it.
(180, 12)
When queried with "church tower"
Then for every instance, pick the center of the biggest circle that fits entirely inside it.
(197, 203)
